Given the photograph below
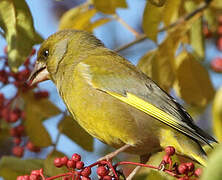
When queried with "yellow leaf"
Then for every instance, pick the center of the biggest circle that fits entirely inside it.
(77, 18)
(217, 115)
(192, 80)
(97, 23)
(211, 18)
(196, 35)
(16, 21)
(158, 3)
(159, 64)
(74, 131)
(109, 6)
(171, 11)
(152, 17)
(37, 110)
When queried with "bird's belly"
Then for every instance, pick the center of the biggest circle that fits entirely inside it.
(112, 121)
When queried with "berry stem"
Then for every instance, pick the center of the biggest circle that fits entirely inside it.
(58, 176)
(146, 165)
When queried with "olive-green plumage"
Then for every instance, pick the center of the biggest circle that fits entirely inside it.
(113, 100)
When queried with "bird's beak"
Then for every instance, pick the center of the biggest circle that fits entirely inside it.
(39, 73)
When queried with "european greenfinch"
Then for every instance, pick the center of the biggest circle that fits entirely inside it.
(113, 100)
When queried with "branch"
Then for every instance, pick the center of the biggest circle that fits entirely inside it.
(181, 20)
(121, 21)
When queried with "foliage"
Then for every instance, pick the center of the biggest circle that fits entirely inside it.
(177, 64)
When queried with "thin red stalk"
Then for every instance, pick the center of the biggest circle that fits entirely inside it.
(149, 166)
(58, 176)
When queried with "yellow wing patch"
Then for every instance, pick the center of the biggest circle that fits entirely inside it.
(151, 110)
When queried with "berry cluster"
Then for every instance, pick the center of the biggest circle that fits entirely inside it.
(11, 111)
(76, 170)
(219, 32)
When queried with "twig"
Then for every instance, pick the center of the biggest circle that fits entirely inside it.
(181, 20)
(121, 21)
(140, 38)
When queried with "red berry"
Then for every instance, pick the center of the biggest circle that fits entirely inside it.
(13, 116)
(27, 62)
(34, 177)
(3, 76)
(170, 150)
(23, 75)
(64, 160)
(58, 162)
(66, 178)
(25, 177)
(76, 157)
(33, 52)
(184, 178)
(79, 164)
(190, 166)
(166, 159)
(18, 151)
(207, 33)
(183, 169)
(216, 64)
(220, 20)
(41, 94)
(13, 132)
(86, 172)
(219, 43)
(198, 172)
(31, 147)
(35, 172)
(2, 99)
(219, 30)
(5, 113)
(17, 140)
(108, 177)
(20, 129)
(102, 171)
(71, 164)
(86, 178)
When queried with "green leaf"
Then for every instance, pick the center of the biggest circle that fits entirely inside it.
(217, 115)
(49, 166)
(11, 167)
(213, 170)
(16, 21)
(37, 110)
(109, 6)
(192, 80)
(74, 131)
(196, 32)
(152, 17)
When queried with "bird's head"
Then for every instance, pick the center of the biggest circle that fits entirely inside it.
(61, 50)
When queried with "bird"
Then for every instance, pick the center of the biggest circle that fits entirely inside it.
(114, 101)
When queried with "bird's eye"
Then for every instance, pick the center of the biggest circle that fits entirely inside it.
(45, 53)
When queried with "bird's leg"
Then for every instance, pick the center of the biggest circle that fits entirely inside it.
(143, 159)
(111, 155)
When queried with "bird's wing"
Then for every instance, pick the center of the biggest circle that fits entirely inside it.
(125, 82)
